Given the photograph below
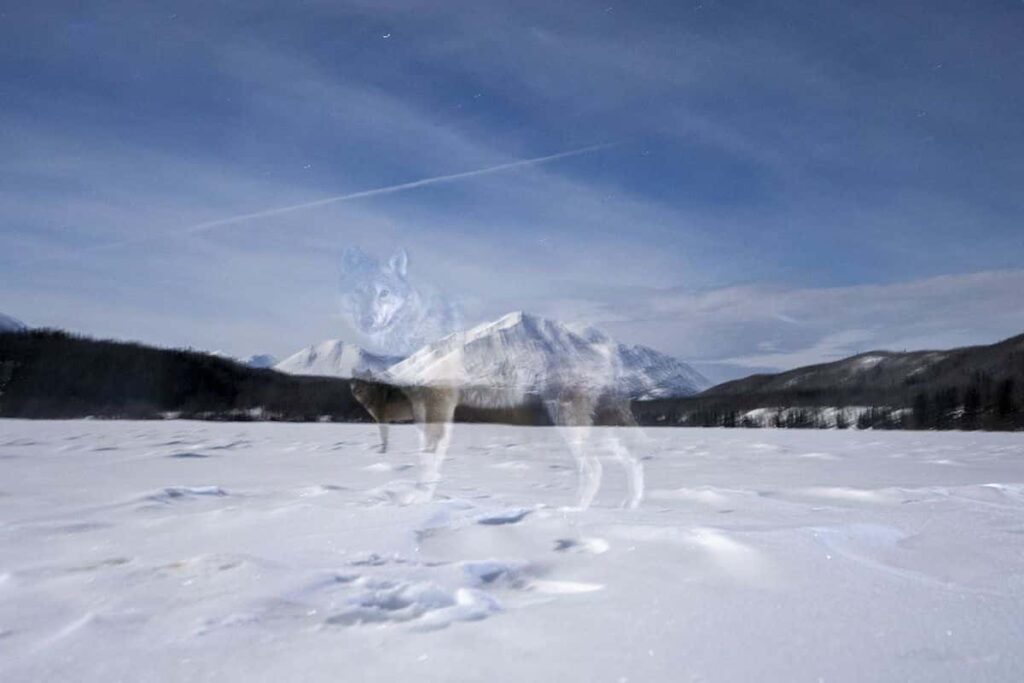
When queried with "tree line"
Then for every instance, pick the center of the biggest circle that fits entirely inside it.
(55, 374)
(979, 400)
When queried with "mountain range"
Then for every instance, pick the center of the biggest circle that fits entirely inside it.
(868, 375)
(519, 351)
(967, 387)
(335, 358)
(49, 373)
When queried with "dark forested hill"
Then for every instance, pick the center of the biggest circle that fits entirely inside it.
(971, 387)
(53, 374)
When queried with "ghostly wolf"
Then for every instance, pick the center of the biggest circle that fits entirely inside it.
(391, 315)
(520, 369)
(573, 410)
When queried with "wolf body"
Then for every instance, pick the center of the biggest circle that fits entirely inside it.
(572, 410)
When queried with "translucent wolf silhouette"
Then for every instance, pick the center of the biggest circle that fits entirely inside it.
(391, 315)
(572, 404)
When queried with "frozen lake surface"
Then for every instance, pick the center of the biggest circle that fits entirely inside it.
(166, 551)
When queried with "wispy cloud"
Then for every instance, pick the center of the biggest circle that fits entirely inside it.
(772, 327)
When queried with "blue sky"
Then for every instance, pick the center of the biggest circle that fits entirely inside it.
(778, 182)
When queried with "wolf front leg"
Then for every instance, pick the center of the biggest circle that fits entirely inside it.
(434, 410)
(588, 467)
(374, 397)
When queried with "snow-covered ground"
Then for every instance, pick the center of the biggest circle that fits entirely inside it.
(191, 551)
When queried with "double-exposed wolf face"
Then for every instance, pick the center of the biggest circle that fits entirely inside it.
(390, 314)
(374, 294)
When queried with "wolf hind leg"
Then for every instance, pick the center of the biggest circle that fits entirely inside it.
(573, 415)
(590, 473)
(622, 424)
(634, 470)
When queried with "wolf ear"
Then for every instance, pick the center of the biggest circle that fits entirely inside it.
(399, 263)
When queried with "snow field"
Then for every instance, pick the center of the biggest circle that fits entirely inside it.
(159, 551)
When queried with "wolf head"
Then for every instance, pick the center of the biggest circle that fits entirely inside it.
(374, 295)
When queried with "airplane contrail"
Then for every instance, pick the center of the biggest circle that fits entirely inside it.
(389, 189)
(423, 182)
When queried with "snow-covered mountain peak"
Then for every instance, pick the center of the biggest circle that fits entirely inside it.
(527, 353)
(509, 319)
(335, 358)
(518, 351)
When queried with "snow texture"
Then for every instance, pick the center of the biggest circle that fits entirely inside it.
(281, 554)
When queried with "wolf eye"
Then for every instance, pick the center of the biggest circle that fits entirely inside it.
(384, 294)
